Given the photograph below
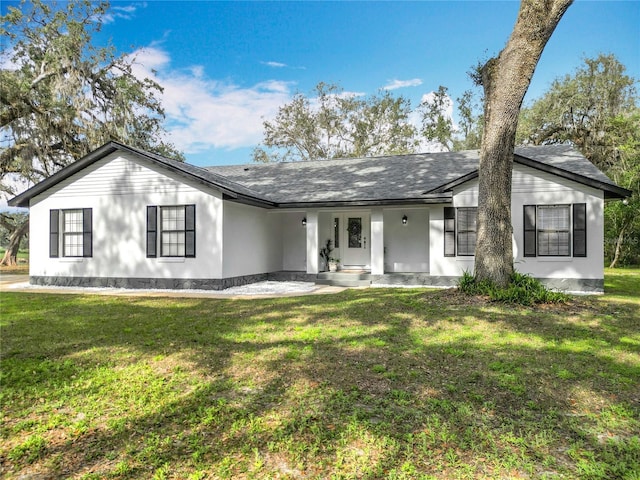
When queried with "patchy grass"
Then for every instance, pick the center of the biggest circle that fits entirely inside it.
(23, 264)
(378, 383)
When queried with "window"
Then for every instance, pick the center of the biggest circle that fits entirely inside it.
(460, 226)
(466, 237)
(70, 232)
(548, 230)
(354, 229)
(177, 232)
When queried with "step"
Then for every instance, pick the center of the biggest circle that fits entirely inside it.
(344, 279)
(343, 282)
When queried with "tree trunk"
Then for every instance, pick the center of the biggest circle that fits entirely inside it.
(505, 80)
(11, 255)
(616, 255)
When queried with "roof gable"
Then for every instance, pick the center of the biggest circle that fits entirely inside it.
(200, 175)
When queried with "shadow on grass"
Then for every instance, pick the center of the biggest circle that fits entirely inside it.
(361, 384)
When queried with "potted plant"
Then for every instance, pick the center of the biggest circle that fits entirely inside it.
(334, 263)
(325, 253)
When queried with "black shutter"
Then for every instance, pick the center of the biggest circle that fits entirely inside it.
(189, 230)
(87, 232)
(580, 230)
(529, 230)
(54, 233)
(152, 231)
(449, 232)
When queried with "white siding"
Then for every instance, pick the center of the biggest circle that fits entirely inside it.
(294, 241)
(531, 187)
(406, 246)
(118, 188)
(252, 240)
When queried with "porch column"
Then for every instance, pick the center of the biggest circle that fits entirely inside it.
(377, 242)
(312, 241)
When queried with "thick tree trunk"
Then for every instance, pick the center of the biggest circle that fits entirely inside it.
(505, 80)
(11, 254)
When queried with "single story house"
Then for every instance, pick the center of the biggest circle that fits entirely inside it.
(129, 218)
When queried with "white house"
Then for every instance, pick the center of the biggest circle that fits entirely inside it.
(125, 217)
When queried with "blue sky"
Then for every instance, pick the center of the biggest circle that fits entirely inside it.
(226, 66)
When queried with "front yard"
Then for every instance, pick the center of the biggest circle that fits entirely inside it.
(374, 383)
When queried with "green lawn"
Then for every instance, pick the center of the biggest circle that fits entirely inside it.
(374, 383)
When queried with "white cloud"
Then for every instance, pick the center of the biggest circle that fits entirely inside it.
(275, 64)
(448, 103)
(204, 113)
(395, 84)
(126, 12)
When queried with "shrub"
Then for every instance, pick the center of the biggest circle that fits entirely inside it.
(523, 289)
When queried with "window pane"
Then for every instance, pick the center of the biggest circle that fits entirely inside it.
(553, 230)
(172, 244)
(354, 229)
(73, 221)
(172, 218)
(73, 244)
(72, 233)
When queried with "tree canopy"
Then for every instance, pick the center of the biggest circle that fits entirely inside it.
(61, 96)
(330, 123)
(335, 124)
(579, 108)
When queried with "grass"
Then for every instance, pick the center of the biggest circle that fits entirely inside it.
(376, 383)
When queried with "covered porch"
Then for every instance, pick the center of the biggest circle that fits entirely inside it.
(368, 242)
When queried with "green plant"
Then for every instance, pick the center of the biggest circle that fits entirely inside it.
(325, 253)
(523, 289)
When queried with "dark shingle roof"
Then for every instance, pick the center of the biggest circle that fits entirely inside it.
(397, 177)
(416, 178)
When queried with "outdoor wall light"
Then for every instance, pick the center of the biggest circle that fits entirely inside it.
(304, 222)
(404, 219)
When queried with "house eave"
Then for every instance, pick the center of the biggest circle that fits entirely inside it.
(432, 199)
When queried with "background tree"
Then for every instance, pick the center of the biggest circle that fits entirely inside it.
(622, 222)
(437, 124)
(595, 109)
(505, 80)
(579, 108)
(61, 96)
(470, 123)
(332, 124)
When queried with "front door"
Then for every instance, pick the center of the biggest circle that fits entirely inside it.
(355, 248)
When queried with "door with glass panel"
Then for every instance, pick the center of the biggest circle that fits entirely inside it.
(354, 245)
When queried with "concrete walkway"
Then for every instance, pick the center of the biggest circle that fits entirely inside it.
(20, 283)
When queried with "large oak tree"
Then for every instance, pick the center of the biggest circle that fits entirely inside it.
(61, 96)
(505, 80)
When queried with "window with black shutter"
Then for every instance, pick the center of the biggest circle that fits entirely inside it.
(71, 233)
(172, 229)
(555, 230)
